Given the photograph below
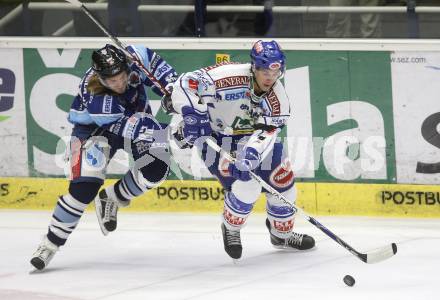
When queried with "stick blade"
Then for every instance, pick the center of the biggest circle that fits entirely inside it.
(380, 254)
(75, 2)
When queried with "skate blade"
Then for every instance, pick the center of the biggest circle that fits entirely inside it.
(293, 250)
(98, 207)
(36, 271)
(235, 261)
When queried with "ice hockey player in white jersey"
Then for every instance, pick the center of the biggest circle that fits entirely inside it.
(110, 112)
(243, 107)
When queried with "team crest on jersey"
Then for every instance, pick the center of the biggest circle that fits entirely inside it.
(282, 176)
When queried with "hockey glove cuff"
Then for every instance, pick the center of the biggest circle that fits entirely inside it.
(196, 124)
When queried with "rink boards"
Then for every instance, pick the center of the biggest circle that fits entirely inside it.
(396, 200)
(364, 139)
(362, 111)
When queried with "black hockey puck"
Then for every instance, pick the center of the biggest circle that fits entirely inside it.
(349, 280)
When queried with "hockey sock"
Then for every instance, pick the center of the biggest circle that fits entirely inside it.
(69, 210)
(281, 219)
(235, 212)
(148, 177)
(127, 188)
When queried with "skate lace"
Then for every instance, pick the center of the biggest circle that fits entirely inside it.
(44, 252)
(295, 239)
(233, 237)
(110, 209)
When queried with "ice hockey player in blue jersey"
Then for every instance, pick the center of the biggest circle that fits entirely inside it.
(110, 112)
(243, 107)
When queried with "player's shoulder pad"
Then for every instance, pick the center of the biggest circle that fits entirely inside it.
(142, 53)
(198, 82)
(228, 69)
(224, 75)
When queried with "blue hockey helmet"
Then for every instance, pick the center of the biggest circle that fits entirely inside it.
(268, 55)
(109, 61)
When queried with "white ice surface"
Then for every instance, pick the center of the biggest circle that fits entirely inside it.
(181, 256)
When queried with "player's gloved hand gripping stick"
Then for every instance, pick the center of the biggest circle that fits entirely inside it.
(373, 256)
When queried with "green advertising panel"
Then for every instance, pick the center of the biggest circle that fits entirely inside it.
(350, 100)
(45, 82)
(342, 76)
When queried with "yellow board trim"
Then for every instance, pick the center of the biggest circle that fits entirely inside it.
(388, 200)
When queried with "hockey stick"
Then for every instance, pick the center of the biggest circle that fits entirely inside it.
(371, 257)
(120, 45)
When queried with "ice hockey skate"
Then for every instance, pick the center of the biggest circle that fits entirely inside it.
(44, 254)
(296, 241)
(232, 242)
(106, 208)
